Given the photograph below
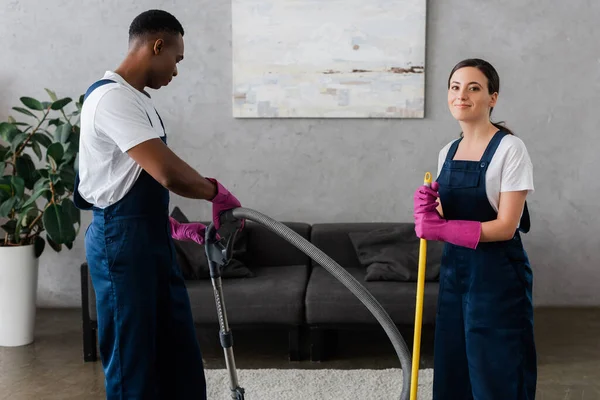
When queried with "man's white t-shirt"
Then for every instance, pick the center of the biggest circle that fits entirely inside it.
(114, 118)
(510, 169)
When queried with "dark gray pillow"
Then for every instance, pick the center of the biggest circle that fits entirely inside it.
(392, 254)
(192, 260)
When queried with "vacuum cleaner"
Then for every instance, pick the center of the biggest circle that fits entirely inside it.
(219, 255)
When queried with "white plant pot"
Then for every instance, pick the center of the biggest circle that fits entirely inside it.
(18, 294)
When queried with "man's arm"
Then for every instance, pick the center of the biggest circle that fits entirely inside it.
(171, 171)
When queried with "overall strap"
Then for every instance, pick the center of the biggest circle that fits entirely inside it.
(491, 148)
(77, 199)
(96, 85)
(452, 150)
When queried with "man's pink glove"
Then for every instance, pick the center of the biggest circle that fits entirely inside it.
(223, 201)
(193, 231)
(430, 225)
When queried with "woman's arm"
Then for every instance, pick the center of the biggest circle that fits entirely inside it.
(510, 208)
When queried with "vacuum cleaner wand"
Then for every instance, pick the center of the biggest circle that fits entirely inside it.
(219, 255)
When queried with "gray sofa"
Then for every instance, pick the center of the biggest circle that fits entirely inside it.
(287, 290)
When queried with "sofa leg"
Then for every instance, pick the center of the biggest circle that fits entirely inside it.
(317, 342)
(89, 333)
(294, 344)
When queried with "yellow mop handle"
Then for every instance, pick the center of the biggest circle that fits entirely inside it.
(414, 381)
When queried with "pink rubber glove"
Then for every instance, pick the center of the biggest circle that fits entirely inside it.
(430, 225)
(223, 201)
(193, 231)
(425, 198)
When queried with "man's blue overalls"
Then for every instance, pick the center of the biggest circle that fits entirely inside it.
(146, 333)
(484, 344)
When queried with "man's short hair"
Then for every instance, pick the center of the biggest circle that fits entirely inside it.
(154, 21)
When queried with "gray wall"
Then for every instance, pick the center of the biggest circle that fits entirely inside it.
(348, 170)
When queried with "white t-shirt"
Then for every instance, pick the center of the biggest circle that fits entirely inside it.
(114, 118)
(510, 169)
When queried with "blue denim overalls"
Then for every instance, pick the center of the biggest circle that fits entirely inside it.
(484, 344)
(147, 339)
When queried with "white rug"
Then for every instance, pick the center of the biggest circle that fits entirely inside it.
(317, 384)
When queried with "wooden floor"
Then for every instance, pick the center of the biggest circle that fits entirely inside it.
(567, 340)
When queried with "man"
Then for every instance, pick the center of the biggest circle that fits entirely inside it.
(147, 340)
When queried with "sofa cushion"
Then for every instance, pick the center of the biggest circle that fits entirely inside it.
(274, 296)
(265, 248)
(333, 240)
(328, 301)
(193, 262)
(392, 254)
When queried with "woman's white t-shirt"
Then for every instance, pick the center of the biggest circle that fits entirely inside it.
(510, 169)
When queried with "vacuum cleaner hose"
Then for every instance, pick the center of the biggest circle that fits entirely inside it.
(343, 276)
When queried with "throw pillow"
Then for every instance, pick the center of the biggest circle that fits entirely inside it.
(192, 260)
(392, 254)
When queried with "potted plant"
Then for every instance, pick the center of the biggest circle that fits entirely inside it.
(38, 161)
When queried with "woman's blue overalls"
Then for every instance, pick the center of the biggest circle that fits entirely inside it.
(484, 343)
(146, 333)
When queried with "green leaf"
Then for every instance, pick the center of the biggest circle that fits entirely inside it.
(36, 149)
(59, 188)
(18, 141)
(67, 176)
(44, 173)
(3, 152)
(42, 182)
(63, 132)
(2, 167)
(39, 246)
(80, 101)
(55, 122)
(70, 154)
(75, 135)
(7, 206)
(10, 226)
(32, 103)
(56, 246)
(41, 139)
(51, 94)
(74, 212)
(35, 196)
(55, 153)
(26, 170)
(8, 131)
(5, 186)
(18, 186)
(59, 104)
(21, 223)
(25, 111)
(58, 224)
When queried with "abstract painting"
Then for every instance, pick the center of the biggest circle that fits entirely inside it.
(328, 58)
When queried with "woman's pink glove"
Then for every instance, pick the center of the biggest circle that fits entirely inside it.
(425, 198)
(223, 201)
(430, 226)
(193, 231)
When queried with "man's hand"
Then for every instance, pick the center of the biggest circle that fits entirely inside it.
(193, 231)
(222, 202)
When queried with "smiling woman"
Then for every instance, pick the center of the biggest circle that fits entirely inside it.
(484, 345)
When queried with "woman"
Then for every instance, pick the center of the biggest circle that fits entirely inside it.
(484, 343)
